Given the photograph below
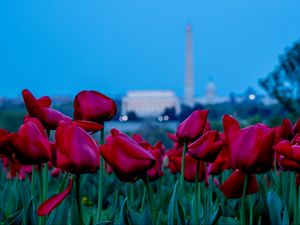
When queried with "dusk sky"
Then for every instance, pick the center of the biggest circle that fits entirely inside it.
(64, 46)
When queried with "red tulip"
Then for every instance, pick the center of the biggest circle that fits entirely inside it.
(155, 172)
(76, 151)
(93, 106)
(40, 109)
(287, 150)
(219, 165)
(288, 164)
(128, 159)
(167, 159)
(286, 129)
(251, 148)
(296, 127)
(233, 186)
(207, 147)
(55, 172)
(190, 167)
(46, 207)
(192, 127)
(88, 126)
(157, 151)
(5, 147)
(30, 143)
(176, 142)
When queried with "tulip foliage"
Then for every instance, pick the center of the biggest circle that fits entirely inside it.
(61, 170)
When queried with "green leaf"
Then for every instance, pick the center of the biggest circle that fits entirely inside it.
(91, 221)
(30, 216)
(62, 185)
(25, 197)
(159, 218)
(171, 215)
(180, 213)
(124, 214)
(228, 220)
(146, 218)
(216, 215)
(105, 223)
(59, 214)
(15, 218)
(274, 206)
(285, 219)
(114, 208)
(74, 213)
(134, 218)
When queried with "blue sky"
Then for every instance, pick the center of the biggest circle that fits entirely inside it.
(64, 46)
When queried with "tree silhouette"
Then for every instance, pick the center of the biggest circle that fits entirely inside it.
(284, 82)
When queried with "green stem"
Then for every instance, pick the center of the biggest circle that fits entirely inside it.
(32, 181)
(45, 180)
(251, 210)
(42, 197)
(149, 196)
(143, 200)
(182, 170)
(78, 199)
(210, 188)
(197, 194)
(243, 208)
(131, 192)
(40, 173)
(100, 188)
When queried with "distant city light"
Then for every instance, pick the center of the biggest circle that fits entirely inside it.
(252, 97)
(163, 118)
(123, 118)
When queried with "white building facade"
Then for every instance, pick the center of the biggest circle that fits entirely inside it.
(149, 103)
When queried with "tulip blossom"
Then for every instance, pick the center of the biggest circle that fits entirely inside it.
(192, 127)
(88, 126)
(157, 151)
(5, 147)
(30, 143)
(93, 106)
(167, 159)
(46, 207)
(219, 165)
(251, 148)
(40, 109)
(127, 158)
(207, 147)
(75, 150)
(234, 185)
(288, 148)
(174, 161)
(177, 143)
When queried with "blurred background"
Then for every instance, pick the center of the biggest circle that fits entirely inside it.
(159, 60)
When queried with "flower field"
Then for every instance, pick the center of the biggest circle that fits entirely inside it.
(61, 170)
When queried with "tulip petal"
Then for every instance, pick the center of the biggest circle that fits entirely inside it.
(233, 186)
(296, 127)
(193, 126)
(45, 101)
(46, 207)
(88, 125)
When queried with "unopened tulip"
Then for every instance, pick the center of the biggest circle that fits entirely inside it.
(93, 106)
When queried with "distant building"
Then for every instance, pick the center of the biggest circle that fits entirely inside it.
(189, 69)
(211, 96)
(149, 103)
(250, 95)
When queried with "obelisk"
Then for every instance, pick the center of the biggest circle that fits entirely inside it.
(189, 69)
